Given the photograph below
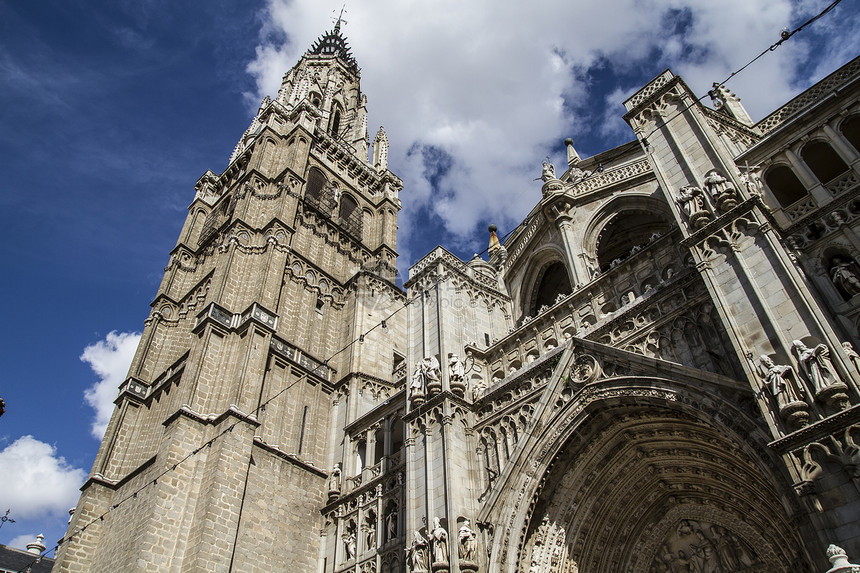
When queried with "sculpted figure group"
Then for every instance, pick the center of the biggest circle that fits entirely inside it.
(698, 552)
(432, 552)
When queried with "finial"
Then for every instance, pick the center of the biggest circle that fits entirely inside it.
(494, 240)
(572, 156)
(339, 19)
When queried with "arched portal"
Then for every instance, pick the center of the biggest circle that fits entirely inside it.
(646, 476)
(625, 231)
(546, 279)
(553, 282)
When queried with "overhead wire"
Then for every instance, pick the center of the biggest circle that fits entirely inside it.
(383, 323)
(784, 36)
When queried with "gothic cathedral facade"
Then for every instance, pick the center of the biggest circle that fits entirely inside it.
(655, 372)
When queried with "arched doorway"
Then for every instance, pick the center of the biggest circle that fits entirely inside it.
(641, 475)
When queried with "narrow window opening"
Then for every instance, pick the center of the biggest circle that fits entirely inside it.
(302, 434)
(486, 339)
(335, 123)
(320, 304)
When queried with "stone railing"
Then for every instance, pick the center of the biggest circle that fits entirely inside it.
(843, 183)
(817, 92)
(800, 209)
(649, 90)
(611, 176)
(586, 311)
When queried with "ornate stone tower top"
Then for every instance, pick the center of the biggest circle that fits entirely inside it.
(333, 43)
(326, 83)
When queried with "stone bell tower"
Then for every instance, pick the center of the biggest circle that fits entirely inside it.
(218, 453)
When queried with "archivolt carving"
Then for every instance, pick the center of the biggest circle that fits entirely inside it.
(706, 459)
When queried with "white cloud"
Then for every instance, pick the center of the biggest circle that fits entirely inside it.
(109, 359)
(484, 81)
(35, 482)
(21, 541)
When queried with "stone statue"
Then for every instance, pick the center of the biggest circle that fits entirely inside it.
(468, 542)
(779, 380)
(371, 534)
(692, 201)
(419, 379)
(852, 355)
(334, 481)
(547, 172)
(844, 277)
(752, 181)
(725, 549)
(391, 524)
(707, 554)
(456, 370)
(439, 540)
(478, 390)
(349, 545)
(719, 189)
(416, 554)
(816, 365)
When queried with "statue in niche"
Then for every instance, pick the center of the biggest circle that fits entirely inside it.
(478, 390)
(852, 355)
(439, 541)
(693, 202)
(349, 545)
(334, 481)
(844, 276)
(816, 365)
(752, 182)
(370, 536)
(416, 554)
(547, 171)
(391, 524)
(468, 542)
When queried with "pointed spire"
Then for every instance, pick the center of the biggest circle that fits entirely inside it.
(494, 241)
(380, 150)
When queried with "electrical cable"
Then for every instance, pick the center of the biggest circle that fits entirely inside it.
(316, 371)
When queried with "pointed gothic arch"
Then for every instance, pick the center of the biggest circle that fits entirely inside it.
(547, 277)
(622, 223)
(630, 471)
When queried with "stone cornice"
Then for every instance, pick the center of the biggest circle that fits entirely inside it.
(392, 404)
(818, 430)
(453, 263)
(291, 458)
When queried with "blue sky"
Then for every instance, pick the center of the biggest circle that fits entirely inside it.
(110, 111)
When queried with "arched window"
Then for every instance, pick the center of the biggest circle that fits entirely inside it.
(315, 99)
(552, 283)
(784, 184)
(625, 231)
(350, 216)
(316, 183)
(850, 128)
(823, 161)
(334, 125)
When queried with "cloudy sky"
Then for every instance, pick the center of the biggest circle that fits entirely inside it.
(111, 110)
